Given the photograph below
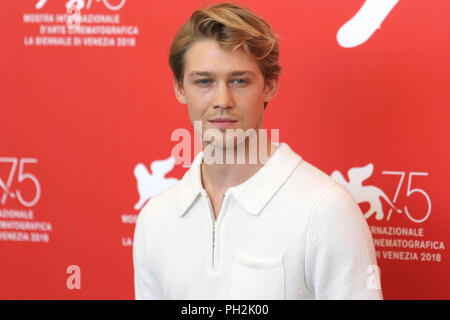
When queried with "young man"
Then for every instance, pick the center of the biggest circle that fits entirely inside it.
(274, 228)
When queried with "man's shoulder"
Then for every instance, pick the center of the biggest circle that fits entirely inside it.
(161, 205)
(311, 185)
(322, 190)
(310, 178)
(305, 179)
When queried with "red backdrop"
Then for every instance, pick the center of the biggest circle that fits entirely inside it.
(80, 110)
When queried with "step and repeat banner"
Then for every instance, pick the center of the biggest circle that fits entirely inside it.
(87, 111)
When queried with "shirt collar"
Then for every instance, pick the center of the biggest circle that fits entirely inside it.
(254, 193)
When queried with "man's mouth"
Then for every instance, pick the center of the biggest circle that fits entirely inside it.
(223, 123)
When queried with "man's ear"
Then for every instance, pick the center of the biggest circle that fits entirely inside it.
(271, 88)
(179, 91)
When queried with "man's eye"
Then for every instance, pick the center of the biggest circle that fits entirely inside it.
(203, 81)
(241, 81)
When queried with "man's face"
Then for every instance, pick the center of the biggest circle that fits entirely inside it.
(219, 84)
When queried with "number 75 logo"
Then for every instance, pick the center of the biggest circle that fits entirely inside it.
(21, 177)
(373, 194)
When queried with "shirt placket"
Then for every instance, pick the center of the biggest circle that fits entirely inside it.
(216, 229)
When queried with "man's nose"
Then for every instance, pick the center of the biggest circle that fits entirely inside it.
(223, 96)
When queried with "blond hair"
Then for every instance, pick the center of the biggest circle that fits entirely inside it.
(233, 27)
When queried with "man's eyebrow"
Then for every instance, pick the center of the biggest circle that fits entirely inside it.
(233, 73)
(243, 73)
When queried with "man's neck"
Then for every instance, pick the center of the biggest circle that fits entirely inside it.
(217, 178)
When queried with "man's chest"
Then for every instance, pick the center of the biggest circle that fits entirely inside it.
(235, 255)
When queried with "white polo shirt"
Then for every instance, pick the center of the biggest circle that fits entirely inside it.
(288, 233)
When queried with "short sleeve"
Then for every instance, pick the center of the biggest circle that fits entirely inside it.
(146, 283)
(340, 256)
